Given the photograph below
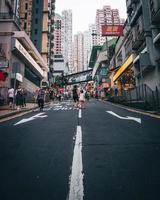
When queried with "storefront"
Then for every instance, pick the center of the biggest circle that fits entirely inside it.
(124, 77)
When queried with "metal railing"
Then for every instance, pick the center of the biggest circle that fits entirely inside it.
(140, 94)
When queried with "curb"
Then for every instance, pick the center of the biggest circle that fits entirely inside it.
(19, 112)
(16, 112)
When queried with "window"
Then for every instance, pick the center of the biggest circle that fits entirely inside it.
(25, 25)
(25, 15)
(26, 6)
(36, 10)
(35, 42)
(35, 31)
(36, 20)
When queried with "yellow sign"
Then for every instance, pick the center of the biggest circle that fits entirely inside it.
(125, 65)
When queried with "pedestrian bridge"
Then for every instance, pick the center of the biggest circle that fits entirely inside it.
(79, 77)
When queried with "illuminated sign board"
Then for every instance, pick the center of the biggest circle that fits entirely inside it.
(112, 30)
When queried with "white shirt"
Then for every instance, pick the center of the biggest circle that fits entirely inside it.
(11, 92)
(81, 97)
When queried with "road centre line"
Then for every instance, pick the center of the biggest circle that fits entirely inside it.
(76, 190)
(80, 113)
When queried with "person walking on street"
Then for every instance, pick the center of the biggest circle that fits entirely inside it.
(81, 99)
(41, 98)
(75, 96)
(24, 97)
(11, 96)
(19, 98)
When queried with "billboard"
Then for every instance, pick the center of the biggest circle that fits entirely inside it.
(112, 30)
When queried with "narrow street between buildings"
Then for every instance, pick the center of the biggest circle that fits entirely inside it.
(99, 152)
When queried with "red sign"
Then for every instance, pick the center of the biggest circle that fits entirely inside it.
(112, 30)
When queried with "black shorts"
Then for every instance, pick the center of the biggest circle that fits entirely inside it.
(75, 98)
(11, 99)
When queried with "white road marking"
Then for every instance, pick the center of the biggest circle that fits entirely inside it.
(126, 118)
(39, 115)
(80, 113)
(76, 191)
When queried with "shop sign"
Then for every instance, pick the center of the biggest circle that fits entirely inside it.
(112, 30)
(18, 76)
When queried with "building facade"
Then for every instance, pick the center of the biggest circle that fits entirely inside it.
(67, 38)
(105, 16)
(144, 20)
(34, 17)
(78, 52)
(20, 61)
(59, 65)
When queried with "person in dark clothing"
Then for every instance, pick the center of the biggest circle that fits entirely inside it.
(19, 98)
(75, 96)
(40, 98)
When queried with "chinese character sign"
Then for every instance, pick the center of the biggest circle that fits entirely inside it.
(112, 30)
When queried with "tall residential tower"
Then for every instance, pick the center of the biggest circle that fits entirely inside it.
(67, 38)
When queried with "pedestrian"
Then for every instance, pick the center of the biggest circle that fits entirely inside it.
(81, 99)
(24, 96)
(11, 96)
(75, 96)
(116, 91)
(87, 95)
(96, 94)
(59, 96)
(41, 98)
(19, 98)
(51, 94)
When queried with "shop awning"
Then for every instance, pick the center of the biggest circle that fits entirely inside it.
(125, 65)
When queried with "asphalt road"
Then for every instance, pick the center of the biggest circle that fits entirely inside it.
(102, 152)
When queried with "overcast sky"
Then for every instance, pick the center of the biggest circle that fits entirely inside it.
(84, 11)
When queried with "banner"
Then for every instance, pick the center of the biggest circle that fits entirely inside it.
(112, 30)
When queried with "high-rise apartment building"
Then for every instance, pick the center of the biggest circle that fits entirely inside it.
(51, 33)
(57, 35)
(93, 35)
(67, 38)
(75, 54)
(26, 15)
(106, 16)
(87, 48)
(78, 52)
(34, 20)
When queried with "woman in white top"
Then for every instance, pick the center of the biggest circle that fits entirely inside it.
(81, 99)
(11, 96)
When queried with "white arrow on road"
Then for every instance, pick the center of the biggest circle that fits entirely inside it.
(127, 117)
(39, 115)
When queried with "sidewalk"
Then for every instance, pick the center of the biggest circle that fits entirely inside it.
(5, 111)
